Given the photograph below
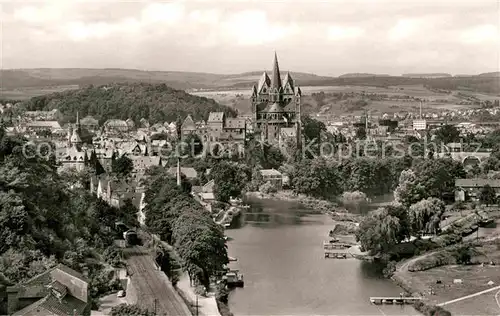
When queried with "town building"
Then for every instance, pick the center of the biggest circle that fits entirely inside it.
(89, 123)
(114, 191)
(471, 188)
(275, 105)
(42, 126)
(59, 291)
(272, 176)
(189, 172)
(73, 156)
(115, 126)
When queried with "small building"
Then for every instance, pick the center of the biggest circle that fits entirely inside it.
(189, 172)
(472, 187)
(59, 291)
(39, 126)
(114, 126)
(273, 176)
(90, 123)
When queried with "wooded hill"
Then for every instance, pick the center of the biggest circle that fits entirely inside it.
(154, 102)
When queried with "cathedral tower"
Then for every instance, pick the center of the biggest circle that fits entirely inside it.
(276, 106)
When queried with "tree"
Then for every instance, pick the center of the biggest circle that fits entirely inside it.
(312, 128)
(122, 165)
(425, 215)
(355, 201)
(487, 195)
(316, 177)
(409, 191)
(378, 232)
(229, 179)
(437, 176)
(361, 133)
(448, 134)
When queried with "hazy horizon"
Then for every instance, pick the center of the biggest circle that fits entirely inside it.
(221, 37)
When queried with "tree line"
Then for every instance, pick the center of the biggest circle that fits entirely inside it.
(177, 218)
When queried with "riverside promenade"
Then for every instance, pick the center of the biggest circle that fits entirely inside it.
(206, 305)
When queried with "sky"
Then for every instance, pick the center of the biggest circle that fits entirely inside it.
(233, 36)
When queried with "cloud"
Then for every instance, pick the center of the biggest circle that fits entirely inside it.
(80, 31)
(481, 34)
(252, 27)
(341, 33)
(235, 36)
(163, 12)
(404, 28)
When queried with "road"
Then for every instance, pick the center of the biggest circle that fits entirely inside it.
(496, 299)
(154, 290)
(471, 295)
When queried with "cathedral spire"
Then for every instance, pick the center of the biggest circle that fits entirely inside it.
(276, 80)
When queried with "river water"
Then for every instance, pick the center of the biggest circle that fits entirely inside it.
(280, 253)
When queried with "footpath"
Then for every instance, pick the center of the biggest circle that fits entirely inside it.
(206, 305)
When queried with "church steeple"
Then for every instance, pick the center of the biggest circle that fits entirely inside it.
(276, 80)
(78, 123)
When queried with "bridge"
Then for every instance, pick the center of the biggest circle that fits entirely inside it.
(465, 157)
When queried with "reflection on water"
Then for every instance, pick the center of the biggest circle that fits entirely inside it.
(279, 251)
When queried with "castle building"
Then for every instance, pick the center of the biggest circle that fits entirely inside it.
(276, 105)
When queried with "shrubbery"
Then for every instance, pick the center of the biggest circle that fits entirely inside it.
(130, 310)
(430, 310)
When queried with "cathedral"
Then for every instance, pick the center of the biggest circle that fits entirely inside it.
(276, 107)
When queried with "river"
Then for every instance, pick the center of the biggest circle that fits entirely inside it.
(281, 256)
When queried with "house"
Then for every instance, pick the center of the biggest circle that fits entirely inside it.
(114, 191)
(273, 176)
(224, 129)
(90, 123)
(39, 126)
(472, 187)
(189, 172)
(59, 291)
(116, 126)
(142, 163)
(205, 192)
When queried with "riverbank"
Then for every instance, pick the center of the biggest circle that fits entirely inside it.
(310, 203)
(451, 282)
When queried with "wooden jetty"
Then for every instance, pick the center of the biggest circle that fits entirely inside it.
(394, 300)
(335, 245)
(337, 255)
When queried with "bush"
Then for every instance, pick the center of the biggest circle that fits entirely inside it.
(200, 290)
(430, 310)
(130, 310)
(447, 239)
(267, 188)
(389, 269)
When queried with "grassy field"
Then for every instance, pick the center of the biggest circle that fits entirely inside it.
(475, 278)
(330, 105)
(27, 93)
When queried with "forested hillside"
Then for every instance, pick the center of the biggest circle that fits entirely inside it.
(43, 222)
(154, 102)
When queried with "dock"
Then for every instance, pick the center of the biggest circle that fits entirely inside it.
(337, 255)
(335, 245)
(394, 300)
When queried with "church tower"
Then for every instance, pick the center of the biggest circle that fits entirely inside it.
(74, 135)
(276, 106)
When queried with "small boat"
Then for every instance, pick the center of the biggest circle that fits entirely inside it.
(231, 259)
(233, 278)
